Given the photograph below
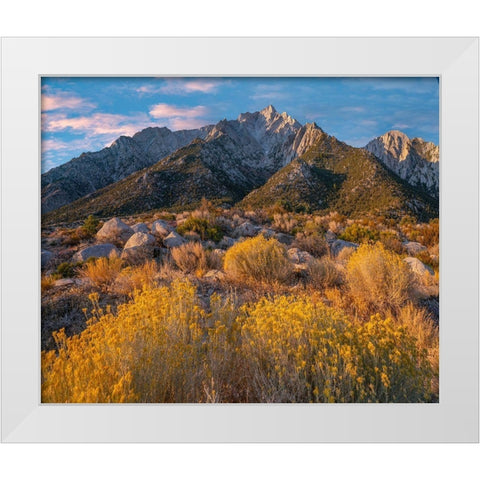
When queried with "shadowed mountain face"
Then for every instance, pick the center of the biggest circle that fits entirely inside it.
(413, 160)
(259, 159)
(94, 170)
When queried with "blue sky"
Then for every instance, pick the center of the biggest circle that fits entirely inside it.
(81, 114)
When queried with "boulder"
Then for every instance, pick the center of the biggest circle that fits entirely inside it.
(330, 237)
(114, 231)
(338, 245)
(140, 239)
(64, 282)
(215, 275)
(418, 267)
(298, 256)
(226, 242)
(247, 229)
(267, 232)
(140, 228)
(96, 251)
(284, 238)
(414, 248)
(173, 240)
(140, 246)
(46, 257)
(161, 228)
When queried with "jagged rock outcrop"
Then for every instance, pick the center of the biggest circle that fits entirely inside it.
(413, 160)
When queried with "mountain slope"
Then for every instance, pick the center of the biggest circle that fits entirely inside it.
(413, 160)
(236, 157)
(95, 170)
(333, 176)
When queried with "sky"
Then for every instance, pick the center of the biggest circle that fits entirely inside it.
(85, 114)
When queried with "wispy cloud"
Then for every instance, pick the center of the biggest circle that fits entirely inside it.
(400, 126)
(164, 110)
(62, 101)
(269, 92)
(180, 86)
(96, 124)
(179, 118)
(352, 109)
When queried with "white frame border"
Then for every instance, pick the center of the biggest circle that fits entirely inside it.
(454, 419)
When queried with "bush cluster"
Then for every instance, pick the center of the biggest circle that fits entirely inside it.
(164, 347)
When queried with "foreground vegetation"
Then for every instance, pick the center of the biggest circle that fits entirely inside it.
(253, 322)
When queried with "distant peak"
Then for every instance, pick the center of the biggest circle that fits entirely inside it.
(270, 110)
(396, 134)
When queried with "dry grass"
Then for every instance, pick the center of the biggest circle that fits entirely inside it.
(102, 272)
(47, 282)
(315, 244)
(193, 258)
(378, 280)
(323, 273)
(136, 278)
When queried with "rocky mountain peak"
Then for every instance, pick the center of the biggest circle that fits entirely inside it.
(414, 160)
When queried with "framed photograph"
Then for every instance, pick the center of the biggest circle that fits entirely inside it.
(275, 243)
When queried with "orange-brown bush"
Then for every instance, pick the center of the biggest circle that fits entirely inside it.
(379, 281)
(136, 278)
(193, 258)
(315, 244)
(323, 273)
(102, 272)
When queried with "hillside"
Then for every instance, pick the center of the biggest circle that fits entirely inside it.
(334, 176)
(94, 170)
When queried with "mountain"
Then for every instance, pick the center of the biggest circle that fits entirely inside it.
(413, 160)
(257, 160)
(235, 157)
(94, 170)
(333, 176)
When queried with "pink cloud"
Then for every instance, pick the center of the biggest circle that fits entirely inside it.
(163, 110)
(96, 124)
(56, 102)
(186, 123)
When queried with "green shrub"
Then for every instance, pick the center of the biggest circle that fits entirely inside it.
(90, 226)
(207, 229)
(357, 233)
(67, 270)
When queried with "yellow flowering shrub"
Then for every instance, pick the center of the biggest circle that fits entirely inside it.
(163, 347)
(258, 259)
(378, 279)
(299, 351)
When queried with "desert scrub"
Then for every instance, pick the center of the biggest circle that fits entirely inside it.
(67, 270)
(378, 279)
(323, 273)
(90, 226)
(102, 272)
(313, 243)
(357, 233)
(150, 351)
(137, 277)
(193, 258)
(300, 351)
(207, 229)
(163, 347)
(258, 259)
